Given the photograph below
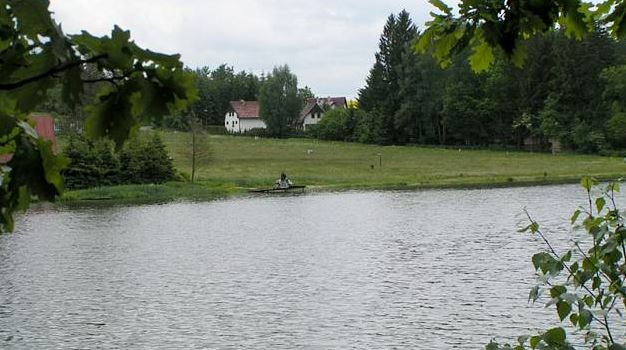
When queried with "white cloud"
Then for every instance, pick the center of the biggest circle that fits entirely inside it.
(330, 45)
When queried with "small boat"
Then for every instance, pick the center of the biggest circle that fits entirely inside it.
(292, 188)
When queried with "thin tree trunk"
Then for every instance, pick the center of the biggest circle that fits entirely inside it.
(193, 153)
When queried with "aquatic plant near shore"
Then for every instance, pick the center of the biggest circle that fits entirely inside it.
(585, 283)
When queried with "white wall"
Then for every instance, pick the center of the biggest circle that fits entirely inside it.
(232, 123)
(309, 120)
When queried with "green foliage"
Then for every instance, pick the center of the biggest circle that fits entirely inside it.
(365, 126)
(216, 88)
(384, 81)
(36, 56)
(558, 97)
(279, 101)
(97, 163)
(305, 94)
(145, 160)
(505, 27)
(615, 98)
(586, 282)
(334, 126)
(616, 128)
(92, 164)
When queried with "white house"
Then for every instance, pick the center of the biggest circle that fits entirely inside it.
(243, 116)
(314, 109)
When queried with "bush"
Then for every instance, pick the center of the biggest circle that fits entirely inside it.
(146, 161)
(365, 126)
(586, 140)
(334, 125)
(616, 129)
(94, 164)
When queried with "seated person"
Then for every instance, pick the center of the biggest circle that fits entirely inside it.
(283, 182)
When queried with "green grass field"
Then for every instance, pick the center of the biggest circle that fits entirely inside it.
(229, 165)
(249, 162)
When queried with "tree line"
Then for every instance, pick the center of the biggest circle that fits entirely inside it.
(278, 93)
(567, 90)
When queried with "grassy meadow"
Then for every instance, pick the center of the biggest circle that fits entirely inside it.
(249, 162)
(228, 165)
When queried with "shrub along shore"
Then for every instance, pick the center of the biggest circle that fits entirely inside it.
(232, 165)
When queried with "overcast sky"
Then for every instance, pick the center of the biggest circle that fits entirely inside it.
(328, 44)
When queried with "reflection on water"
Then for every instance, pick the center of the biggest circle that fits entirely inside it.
(424, 270)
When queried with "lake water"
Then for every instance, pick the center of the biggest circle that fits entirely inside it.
(436, 269)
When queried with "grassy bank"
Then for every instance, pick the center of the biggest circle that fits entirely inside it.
(232, 164)
(137, 194)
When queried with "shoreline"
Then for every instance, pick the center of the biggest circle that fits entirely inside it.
(209, 191)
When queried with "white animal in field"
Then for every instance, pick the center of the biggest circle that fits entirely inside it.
(309, 151)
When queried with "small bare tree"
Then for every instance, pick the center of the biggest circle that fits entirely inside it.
(200, 147)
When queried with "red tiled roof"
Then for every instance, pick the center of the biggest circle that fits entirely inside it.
(245, 109)
(44, 126)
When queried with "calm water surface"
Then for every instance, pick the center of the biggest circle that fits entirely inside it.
(437, 269)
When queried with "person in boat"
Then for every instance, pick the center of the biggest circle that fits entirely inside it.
(283, 182)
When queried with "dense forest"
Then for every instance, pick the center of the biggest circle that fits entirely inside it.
(568, 91)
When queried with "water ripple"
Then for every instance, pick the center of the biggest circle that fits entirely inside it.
(423, 270)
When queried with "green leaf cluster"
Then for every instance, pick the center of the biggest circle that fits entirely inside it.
(487, 26)
(35, 56)
(586, 283)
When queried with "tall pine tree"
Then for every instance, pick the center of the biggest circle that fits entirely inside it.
(381, 94)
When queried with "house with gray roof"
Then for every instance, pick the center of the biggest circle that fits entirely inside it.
(315, 108)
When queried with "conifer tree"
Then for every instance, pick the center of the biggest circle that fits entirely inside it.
(381, 93)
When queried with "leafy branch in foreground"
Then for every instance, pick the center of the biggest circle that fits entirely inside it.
(505, 26)
(586, 282)
(35, 56)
